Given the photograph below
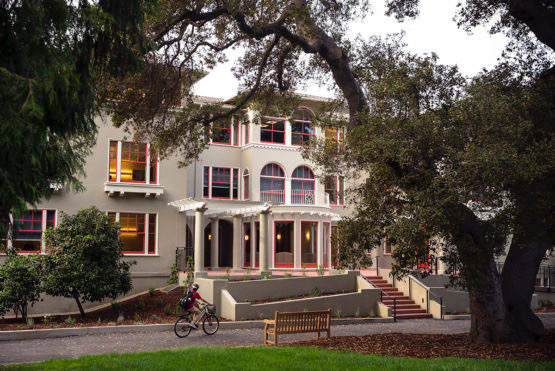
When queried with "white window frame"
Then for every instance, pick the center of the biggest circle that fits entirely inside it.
(147, 226)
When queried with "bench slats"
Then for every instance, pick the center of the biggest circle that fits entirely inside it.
(297, 322)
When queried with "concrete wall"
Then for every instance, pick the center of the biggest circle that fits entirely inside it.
(352, 296)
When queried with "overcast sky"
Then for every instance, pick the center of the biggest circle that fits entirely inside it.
(433, 31)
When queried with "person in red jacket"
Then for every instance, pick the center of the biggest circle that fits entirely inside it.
(194, 305)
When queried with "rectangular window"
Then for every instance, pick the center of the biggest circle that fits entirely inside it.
(335, 187)
(28, 230)
(113, 162)
(133, 232)
(235, 184)
(272, 130)
(221, 133)
(336, 135)
(386, 246)
(220, 183)
(133, 163)
(284, 237)
(301, 133)
(309, 244)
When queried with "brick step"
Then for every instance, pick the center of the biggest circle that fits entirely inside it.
(403, 297)
(414, 316)
(374, 277)
(385, 286)
(397, 294)
(389, 289)
(410, 311)
(399, 302)
(406, 306)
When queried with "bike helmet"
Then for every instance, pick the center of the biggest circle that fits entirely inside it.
(194, 286)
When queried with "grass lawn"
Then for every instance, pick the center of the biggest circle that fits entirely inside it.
(270, 358)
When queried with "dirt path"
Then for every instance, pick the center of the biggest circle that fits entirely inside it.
(70, 347)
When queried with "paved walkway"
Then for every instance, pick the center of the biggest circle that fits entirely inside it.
(20, 351)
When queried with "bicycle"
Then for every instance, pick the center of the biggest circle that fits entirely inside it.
(210, 323)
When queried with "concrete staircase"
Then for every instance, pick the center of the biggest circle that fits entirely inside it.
(406, 308)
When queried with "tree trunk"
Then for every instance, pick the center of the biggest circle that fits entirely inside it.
(76, 297)
(518, 280)
(490, 322)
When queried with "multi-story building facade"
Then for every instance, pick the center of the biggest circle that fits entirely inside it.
(250, 200)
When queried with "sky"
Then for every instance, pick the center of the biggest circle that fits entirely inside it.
(432, 31)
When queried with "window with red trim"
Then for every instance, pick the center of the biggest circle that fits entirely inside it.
(221, 133)
(284, 237)
(133, 232)
(220, 183)
(235, 133)
(247, 134)
(302, 130)
(28, 230)
(335, 186)
(336, 135)
(272, 130)
(302, 186)
(134, 163)
(309, 244)
(272, 184)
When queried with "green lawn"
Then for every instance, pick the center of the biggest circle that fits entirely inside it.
(270, 358)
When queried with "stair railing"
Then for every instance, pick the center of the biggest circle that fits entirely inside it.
(382, 292)
(428, 293)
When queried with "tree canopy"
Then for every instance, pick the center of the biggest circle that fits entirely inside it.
(53, 54)
(84, 260)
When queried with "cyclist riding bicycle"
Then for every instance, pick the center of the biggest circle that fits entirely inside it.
(194, 306)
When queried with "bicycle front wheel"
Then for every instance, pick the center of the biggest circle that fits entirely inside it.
(210, 325)
(181, 327)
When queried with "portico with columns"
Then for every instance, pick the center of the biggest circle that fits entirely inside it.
(264, 236)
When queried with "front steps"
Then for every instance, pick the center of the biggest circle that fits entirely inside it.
(406, 308)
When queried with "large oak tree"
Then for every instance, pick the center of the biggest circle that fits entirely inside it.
(284, 42)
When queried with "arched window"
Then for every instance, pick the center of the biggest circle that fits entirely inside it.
(302, 186)
(302, 130)
(272, 184)
(246, 188)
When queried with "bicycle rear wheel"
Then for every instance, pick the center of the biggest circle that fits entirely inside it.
(210, 325)
(181, 327)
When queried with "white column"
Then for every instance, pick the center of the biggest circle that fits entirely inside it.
(199, 242)
(287, 191)
(263, 257)
(237, 241)
(214, 242)
(118, 163)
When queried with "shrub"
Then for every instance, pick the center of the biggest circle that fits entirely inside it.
(30, 323)
(167, 310)
(338, 313)
(155, 318)
(47, 319)
(159, 302)
(266, 276)
(287, 275)
(178, 310)
(321, 271)
(115, 305)
(120, 319)
(140, 304)
(151, 291)
(111, 323)
(85, 259)
(20, 283)
(136, 316)
(70, 321)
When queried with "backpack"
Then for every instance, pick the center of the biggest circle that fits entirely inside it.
(186, 300)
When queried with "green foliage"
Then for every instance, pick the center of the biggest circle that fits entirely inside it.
(70, 320)
(111, 323)
(320, 270)
(20, 283)
(155, 318)
(167, 310)
(338, 313)
(287, 275)
(140, 304)
(151, 291)
(120, 319)
(190, 273)
(303, 271)
(115, 305)
(136, 317)
(85, 260)
(178, 310)
(47, 319)
(266, 276)
(54, 56)
(174, 272)
(159, 302)
(30, 323)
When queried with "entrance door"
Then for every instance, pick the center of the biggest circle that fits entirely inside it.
(284, 237)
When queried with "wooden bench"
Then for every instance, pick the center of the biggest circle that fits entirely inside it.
(296, 323)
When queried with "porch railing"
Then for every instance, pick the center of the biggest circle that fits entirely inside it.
(274, 197)
(301, 197)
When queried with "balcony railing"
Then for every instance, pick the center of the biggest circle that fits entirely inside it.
(301, 197)
(273, 197)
